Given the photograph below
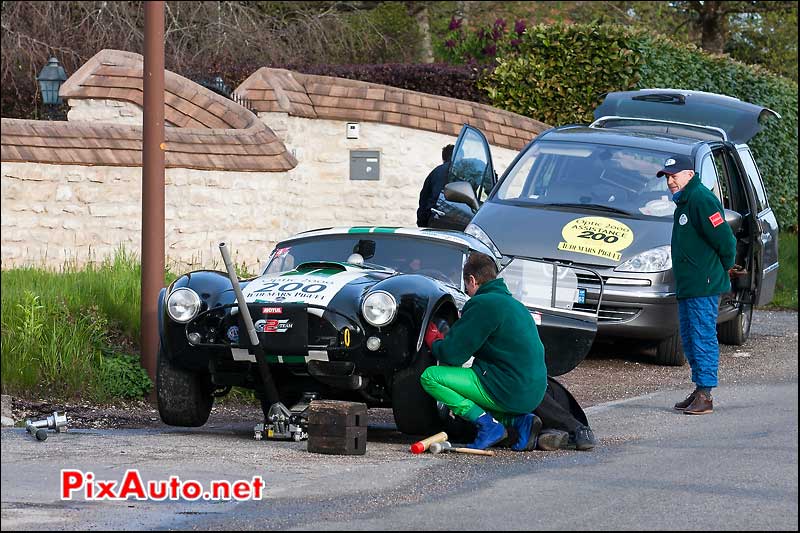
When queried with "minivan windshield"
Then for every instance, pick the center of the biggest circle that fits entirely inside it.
(608, 178)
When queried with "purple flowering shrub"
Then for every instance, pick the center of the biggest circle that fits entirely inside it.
(480, 45)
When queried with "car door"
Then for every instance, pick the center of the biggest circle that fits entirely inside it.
(766, 234)
(738, 195)
(470, 163)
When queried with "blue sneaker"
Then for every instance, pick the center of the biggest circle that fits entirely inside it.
(490, 432)
(528, 427)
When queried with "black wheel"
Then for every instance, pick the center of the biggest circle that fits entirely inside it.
(184, 397)
(415, 411)
(669, 352)
(736, 331)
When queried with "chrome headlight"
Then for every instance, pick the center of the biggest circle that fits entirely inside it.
(655, 260)
(478, 233)
(379, 308)
(183, 305)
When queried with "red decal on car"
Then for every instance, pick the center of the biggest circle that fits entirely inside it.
(716, 219)
(271, 310)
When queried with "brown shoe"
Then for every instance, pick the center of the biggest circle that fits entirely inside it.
(680, 406)
(702, 405)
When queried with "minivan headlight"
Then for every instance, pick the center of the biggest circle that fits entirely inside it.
(654, 260)
(379, 308)
(183, 305)
(477, 232)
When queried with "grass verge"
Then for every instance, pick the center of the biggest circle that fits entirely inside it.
(74, 333)
(786, 286)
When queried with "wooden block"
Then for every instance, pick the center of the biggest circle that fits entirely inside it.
(352, 442)
(344, 414)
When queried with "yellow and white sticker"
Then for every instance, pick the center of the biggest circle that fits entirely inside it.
(600, 236)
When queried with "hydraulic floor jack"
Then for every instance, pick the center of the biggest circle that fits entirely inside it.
(279, 423)
(286, 424)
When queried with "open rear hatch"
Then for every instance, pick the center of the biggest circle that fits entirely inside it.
(694, 114)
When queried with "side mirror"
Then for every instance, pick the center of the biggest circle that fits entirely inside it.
(461, 192)
(734, 220)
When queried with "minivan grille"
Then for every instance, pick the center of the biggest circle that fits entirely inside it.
(610, 313)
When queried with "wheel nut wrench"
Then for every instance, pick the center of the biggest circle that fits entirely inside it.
(38, 428)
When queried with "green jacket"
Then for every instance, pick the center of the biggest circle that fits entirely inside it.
(703, 245)
(509, 356)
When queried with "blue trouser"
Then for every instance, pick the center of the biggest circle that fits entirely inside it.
(698, 322)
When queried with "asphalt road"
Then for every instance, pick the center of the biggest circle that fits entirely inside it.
(655, 469)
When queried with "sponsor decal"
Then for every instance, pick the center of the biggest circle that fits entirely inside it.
(273, 325)
(233, 333)
(280, 252)
(716, 219)
(307, 287)
(599, 236)
(271, 310)
(683, 220)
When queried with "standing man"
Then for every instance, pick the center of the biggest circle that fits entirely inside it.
(703, 253)
(508, 377)
(433, 185)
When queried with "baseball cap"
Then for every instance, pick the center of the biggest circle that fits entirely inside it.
(674, 164)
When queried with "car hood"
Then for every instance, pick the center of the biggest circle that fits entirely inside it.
(739, 120)
(314, 284)
(570, 235)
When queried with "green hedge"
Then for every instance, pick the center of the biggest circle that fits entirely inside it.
(558, 74)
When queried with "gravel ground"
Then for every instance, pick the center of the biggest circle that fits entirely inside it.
(604, 376)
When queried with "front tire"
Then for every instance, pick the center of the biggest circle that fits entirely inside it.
(184, 397)
(669, 352)
(415, 411)
(736, 331)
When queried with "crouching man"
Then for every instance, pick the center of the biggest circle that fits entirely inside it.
(508, 377)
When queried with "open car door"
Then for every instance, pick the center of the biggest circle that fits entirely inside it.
(565, 317)
(687, 113)
(471, 164)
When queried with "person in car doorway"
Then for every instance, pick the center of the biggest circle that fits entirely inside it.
(433, 185)
(508, 377)
(703, 254)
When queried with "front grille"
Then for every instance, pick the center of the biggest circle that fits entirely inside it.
(610, 313)
(588, 279)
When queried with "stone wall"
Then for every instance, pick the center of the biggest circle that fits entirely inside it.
(116, 111)
(53, 213)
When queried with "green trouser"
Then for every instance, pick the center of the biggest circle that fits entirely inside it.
(460, 389)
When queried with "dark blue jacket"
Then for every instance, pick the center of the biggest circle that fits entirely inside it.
(433, 185)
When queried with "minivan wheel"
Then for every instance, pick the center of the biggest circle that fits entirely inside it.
(736, 331)
(669, 352)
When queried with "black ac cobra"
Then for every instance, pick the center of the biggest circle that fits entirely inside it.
(341, 313)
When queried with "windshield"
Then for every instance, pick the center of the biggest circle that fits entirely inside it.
(613, 178)
(404, 254)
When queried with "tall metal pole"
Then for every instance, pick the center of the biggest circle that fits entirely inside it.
(152, 181)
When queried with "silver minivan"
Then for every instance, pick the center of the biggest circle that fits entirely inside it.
(588, 196)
